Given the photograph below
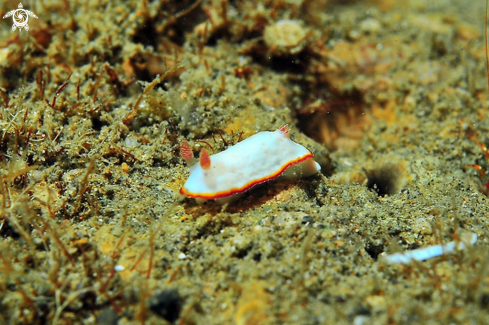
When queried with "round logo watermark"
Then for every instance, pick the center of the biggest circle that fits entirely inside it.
(20, 17)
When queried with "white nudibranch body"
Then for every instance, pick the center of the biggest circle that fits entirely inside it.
(257, 159)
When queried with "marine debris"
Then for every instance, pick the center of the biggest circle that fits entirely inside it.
(421, 254)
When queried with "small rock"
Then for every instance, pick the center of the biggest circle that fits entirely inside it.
(376, 303)
(286, 36)
(107, 317)
(307, 219)
(370, 25)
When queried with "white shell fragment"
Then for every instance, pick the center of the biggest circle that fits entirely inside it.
(421, 254)
(257, 159)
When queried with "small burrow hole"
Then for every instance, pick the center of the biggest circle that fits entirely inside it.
(374, 250)
(386, 177)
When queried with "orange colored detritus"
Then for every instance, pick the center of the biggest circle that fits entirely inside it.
(482, 173)
(243, 72)
(253, 305)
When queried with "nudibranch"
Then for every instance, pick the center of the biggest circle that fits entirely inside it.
(260, 158)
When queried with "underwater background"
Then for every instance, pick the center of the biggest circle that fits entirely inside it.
(96, 97)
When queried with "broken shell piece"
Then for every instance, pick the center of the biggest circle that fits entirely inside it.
(421, 254)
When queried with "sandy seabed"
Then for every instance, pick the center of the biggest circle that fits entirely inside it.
(97, 96)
